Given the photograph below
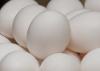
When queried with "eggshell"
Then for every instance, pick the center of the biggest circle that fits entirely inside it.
(7, 48)
(23, 20)
(48, 33)
(76, 13)
(19, 61)
(93, 5)
(60, 62)
(91, 62)
(85, 34)
(3, 39)
(8, 13)
(69, 52)
(64, 6)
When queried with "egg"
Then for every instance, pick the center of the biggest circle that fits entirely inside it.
(19, 61)
(69, 52)
(60, 62)
(91, 62)
(93, 5)
(8, 13)
(7, 48)
(48, 33)
(3, 39)
(85, 32)
(23, 20)
(76, 13)
(64, 6)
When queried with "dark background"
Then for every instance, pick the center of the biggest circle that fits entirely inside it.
(2, 2)
(42, 2)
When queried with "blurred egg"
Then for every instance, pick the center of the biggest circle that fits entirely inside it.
(8, 13)
(7, 48)
(64, 6)
(93, 5)
(60, 62)
(91, 62)
(23, 20)
(85, 32)
(3, 39)
(76, 13)
(69, 52)
(48, 33)
(19, 61)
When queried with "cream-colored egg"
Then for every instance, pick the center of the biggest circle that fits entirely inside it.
(48, 33)
(22, 22)
(69, 52)
(60, 62)
(8, 13)
(64, 6)
(85, 34)
(3, 39)
(76, 13)
(93, 5)
(7, 48)
(19, 61)
(91, 62)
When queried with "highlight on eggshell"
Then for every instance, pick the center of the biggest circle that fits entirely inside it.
(8, 13)
(22, 22)
(85, 32)
(91, 62)
(48, 33)
(7, 48)
(64, 6)
(19, 61)
(60, 62)
(73, 14)
(93, 5)
(3, 39)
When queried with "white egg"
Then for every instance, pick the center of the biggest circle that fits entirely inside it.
(7, 48)
(93, 4)
(19, 61)
(76, 13)
(64, 6)
(91, 62)
(60, 62)
(23, 20)
(49, 33)
(85, 32)
(69, 52)
(8, 13)
(3, 39)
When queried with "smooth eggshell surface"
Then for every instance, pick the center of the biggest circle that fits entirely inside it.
(19, 61)
(76, 13)
(48, 33)
(85, 32)
(64, 6)
(91, 62)
(7, 48)
(8, 13)
(22, 22)
(60, 62)
(93, 5)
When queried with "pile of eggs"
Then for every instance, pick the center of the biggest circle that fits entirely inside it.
(63, 36)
